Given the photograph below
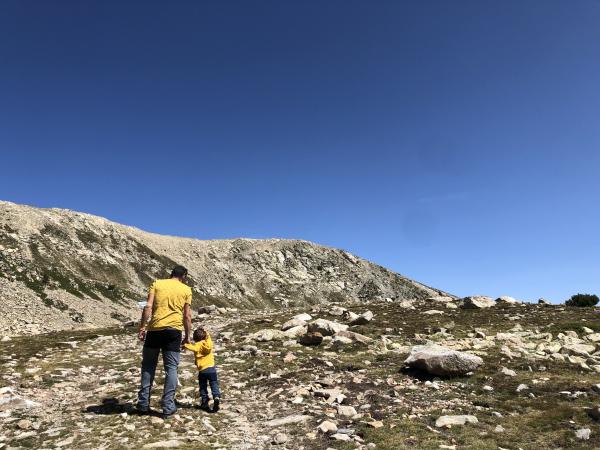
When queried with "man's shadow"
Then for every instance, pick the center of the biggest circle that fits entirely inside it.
(112, 405)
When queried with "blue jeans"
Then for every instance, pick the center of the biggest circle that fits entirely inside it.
(149, 362)
(209, 376)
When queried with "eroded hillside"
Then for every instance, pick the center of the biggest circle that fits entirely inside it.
(61, 269)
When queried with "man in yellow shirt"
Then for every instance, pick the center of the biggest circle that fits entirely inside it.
(169, 311)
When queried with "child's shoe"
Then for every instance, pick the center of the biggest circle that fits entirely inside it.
(216, 403)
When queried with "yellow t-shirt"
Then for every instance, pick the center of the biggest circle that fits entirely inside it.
(203, 352)
(169, 297)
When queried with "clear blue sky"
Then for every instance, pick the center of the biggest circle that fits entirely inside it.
(456, 142)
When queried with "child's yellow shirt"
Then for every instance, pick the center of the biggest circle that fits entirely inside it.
(203, 352)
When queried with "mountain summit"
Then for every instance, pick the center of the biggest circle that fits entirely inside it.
(61, 269)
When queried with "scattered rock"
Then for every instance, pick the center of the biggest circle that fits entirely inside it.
(24, 424)
(508, 372)
(583, 434)
(267, 335)
(303, 317)
(506, 300)
(293, 323)
(448, 421)
(173, 443)
(363, 319)
(355, 337)
(297, 418)
(313, 338)
(280, 438)
(477, 302)
(326, 327)
(346, 411)
(327, 427)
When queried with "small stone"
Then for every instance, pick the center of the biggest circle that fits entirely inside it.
(508, 372)
(313, 338)
(297, 418)
(346, 411)
(173, 443)
(375, 424)
(363, 319)
(156, 421)
(24, 424)
(327, 427)
(499, 429)
(448, 421)
(280, 438)
(583, 434)
(522, 387)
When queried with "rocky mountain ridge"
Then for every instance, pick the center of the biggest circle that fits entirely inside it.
(61, 269)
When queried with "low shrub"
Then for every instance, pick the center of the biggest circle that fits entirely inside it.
(582, 300)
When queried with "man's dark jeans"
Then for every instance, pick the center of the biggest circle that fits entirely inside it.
(205, 377)
(169, 342)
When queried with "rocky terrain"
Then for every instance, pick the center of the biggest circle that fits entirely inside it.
(415, 374)
(64, 270)
(316, 348)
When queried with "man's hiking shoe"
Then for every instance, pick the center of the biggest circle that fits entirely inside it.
(216, 403)
(140, 411)
(204, 406)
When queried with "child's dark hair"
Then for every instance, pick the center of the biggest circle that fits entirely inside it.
(199, 334)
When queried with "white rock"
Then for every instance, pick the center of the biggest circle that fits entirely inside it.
(363, 319)
(327, 427)
(433, 312)
(292, 323)
(295, 332)
(280, 438)
(506, 300)
(304, 317)
(346, 411)
(593, 337)
(447, 421)
(337, 311)
(508, 372)
(522, 387)
(297, 418)
(583, 434)
(164, 444)
(477, 302)
(267, 335)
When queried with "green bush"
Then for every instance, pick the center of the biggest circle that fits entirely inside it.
(582, 300)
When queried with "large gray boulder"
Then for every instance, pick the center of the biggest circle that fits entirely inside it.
(506, 300)
(326, 327)
(442, 361)
(363, 319)
(477, 302)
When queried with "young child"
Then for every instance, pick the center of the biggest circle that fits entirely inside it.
(207, 371)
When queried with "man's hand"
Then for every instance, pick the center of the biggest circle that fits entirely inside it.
(142, 335)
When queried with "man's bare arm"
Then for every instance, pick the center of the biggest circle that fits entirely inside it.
(187, 323)
(146, 313)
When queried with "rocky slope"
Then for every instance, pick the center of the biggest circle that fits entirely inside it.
(532, 382)
(61, 269)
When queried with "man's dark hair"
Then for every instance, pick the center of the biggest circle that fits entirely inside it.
(179, 272)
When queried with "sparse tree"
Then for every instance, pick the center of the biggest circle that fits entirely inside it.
(582, 300)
